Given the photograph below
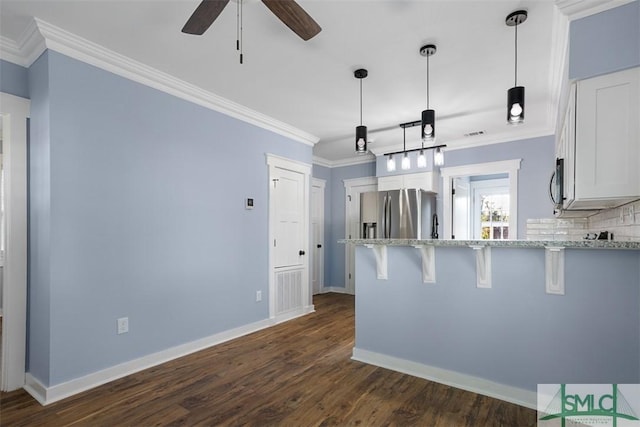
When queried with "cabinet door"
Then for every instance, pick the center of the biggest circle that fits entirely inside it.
(607, 132)
(386, 183)
(569, 150)
(424, 181)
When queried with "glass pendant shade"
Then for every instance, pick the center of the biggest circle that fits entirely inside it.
(438, 157)
(515, 105)
(428, 125)
(391, 164)
(406, 162)
(361, 140)
(422, 160)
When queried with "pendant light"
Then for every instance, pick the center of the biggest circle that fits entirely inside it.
(361, 131)
(406, 161)
(391, 163)
(422, 159)
(515, 95)
(438, 156)
(428, 122)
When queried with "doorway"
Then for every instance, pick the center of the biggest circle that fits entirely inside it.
(14, 113)
(353, 189)
(481, 200)
(481, 207)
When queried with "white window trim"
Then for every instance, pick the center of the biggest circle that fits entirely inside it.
(509, 167)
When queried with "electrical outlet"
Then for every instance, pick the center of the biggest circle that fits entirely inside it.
(258, 296)
(123, 325)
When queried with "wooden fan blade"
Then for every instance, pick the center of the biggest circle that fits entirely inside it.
(294, 17)
(203, 16)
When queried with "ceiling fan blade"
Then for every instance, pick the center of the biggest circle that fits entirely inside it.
(203, 16)
(294, 17)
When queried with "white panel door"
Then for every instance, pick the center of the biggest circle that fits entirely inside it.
(317, 237)
(289, 210)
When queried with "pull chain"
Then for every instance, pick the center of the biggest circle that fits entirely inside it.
(239, 28)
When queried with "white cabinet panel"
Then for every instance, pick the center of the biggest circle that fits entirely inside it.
(427, 181)
(602, 157)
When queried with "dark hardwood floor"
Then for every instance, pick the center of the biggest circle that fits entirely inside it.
(295, 374)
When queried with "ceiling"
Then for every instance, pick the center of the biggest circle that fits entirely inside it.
(310, 85)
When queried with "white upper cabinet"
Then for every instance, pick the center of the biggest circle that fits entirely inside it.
(427, 181)
(605, 150)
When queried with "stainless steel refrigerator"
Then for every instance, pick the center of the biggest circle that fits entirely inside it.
(394, 214)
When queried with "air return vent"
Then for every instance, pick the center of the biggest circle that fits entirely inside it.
(476, 133)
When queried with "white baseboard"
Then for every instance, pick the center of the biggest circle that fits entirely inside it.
(46, 395)
(504, 392)
(293, 314)
(336, 289)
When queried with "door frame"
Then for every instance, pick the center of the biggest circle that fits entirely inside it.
(509, 167)
(351, 187)
(15, 111)
(321, 184)
(277, 162)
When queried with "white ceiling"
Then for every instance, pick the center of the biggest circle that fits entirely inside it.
(310, 85)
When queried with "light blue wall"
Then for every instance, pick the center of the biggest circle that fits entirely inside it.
(606, 42)
(39, 277)
(514, 334)
(145, 219)
(13, 79)
(537, 164)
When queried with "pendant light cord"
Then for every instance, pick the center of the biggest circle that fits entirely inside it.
(361, 102)
(404, 139)
(516, 56)
(427, 81)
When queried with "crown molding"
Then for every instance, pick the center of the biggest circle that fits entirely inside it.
(10, 51)
(41, 35)
(351, 161)
(576, 9)
(26, 49)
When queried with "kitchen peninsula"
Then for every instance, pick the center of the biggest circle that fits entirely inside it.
(541, 312)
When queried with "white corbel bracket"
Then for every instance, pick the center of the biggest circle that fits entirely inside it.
(380, 252)
(428, 263)
(554, 270)
(483, 265)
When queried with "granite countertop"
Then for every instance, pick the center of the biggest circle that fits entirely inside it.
(571, 244)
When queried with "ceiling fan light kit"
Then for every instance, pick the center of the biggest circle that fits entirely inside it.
(361, 131)
(515, 95)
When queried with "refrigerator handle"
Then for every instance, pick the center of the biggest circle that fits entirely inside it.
(384, 217)
(388, 216)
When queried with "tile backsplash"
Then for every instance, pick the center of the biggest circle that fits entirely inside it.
(557, 229)
(623, 222)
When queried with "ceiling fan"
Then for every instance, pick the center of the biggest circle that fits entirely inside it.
(288, 11)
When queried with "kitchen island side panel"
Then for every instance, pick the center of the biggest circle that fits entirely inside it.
(514, 333)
